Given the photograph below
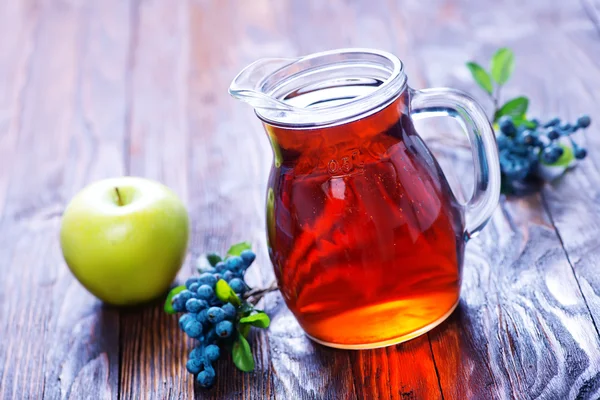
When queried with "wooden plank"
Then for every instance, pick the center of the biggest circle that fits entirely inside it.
(308, 370)
(406, 370)
(573, 200)
(60, 342)
(83, 341)
(229, 159)
(523, 327)
(265, 29)
(17, 21)
(153, 349)
(592, 8)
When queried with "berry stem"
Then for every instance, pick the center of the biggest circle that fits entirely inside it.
(255, 295)
(496, 99)
(119, 199)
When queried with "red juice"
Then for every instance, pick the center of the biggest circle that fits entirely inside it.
(363, 230)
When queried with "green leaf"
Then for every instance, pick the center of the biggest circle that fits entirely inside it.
(564, 161)
(242, 355)
(503, 64)
(515, 108)
(246, 309)
(260, 320)
(237, 248)
(244, 329)
(213, 258)
(169, 301)
(481, 76)
(226, 294)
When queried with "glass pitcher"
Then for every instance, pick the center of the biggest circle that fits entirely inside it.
(365, 235)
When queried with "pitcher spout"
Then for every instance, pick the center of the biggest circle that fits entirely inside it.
(250, 84)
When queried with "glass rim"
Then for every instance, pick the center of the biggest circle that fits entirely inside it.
(358, 107)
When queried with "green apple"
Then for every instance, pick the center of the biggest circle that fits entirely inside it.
(125, 239)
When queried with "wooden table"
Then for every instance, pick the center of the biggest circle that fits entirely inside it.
(92, 89)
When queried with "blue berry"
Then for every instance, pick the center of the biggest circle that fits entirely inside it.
(205, 292)
(229, 310)
(551, 154)
(552, 122)
(234, 263)
(503, 142)
(196, 353)
(214, 301)
(202, 317)
(194, 287)
(507, 126)
(584, 121)
(212, 352)
(224, 329)
(520, 150)
(248, 256)
(185, 318)
(537, 142)
(195, 305)
(194, 365)
(558, 151)
(526, 137)
(189, 282)
(553, 134)
(215, 314)
(580, 153)
(178, 303)
(186, 295)
(207, 279)
(567, 127)
(193, 328)
(228, 275)
(514, 166)
(217, 276)
(221, 266)
(206, 378)
(535, 122)
(237, 285)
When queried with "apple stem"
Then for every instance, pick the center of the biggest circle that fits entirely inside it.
(119, 199)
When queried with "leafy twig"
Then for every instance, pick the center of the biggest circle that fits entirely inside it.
(528, 149)
(492, 81)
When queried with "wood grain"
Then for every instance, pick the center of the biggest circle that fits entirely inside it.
(60, 339)
(153, 349)
(523, 327)
(318, 26)
(592, 8)
(86, 363)
(228, 158)
(577, 217)
(91, 89)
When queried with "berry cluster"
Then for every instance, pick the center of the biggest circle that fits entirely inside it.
(213, 312)
(523, 146)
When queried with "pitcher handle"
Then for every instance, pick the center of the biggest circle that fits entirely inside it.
(459, 105)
